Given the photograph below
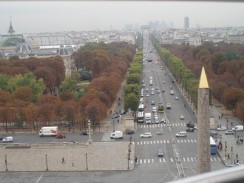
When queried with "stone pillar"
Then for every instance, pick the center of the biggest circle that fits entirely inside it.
(203, 116)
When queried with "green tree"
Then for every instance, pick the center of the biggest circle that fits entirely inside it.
(131, 102)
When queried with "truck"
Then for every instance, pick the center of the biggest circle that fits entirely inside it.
(148, 118)
(48, 131)
(116, 135)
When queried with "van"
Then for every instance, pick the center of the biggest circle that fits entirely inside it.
(181, 134)
(238, 128)
(116, 135)
(8, 139)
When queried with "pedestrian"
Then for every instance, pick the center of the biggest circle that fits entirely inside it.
(63, 160)
(135, 159)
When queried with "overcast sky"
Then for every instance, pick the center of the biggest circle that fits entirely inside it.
(43, 16)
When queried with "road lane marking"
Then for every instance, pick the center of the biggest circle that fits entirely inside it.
(192, 141)
(184, 159)
(140, 161)
(171, 159)
(188, 159)
(164, 160)
(145, 161)
(152, 160)
(148, 160)
(39, 179)
(164, 141)
(167, 141)
(161, 141)
(157, 142)
(160, 160)
(192, 159)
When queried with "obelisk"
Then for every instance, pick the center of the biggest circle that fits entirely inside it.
(203, 141)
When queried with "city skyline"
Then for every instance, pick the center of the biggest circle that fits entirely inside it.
(44, 16)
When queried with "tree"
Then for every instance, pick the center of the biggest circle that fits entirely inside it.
(31, 115)
(232, 96)
(131, 102)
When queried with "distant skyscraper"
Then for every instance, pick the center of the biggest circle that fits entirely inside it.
(186, 23)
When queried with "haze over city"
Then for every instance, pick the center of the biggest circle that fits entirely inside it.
(44, 16)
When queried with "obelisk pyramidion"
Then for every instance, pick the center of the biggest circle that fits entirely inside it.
(203, 141)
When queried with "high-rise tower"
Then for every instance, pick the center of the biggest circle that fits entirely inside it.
(186, 23)
(203, 141)
(11, 29)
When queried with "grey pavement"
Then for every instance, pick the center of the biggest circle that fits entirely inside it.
(231, 151)
(67, 156)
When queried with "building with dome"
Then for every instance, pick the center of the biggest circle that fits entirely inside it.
(38, 45)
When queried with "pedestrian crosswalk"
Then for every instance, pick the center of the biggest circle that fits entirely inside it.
(151, 142)
(160, 125)
(172, 160)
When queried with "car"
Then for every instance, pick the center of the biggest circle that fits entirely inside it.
(160, 152)
(129, 132)
(157, 88)
(229, 132)
(190, 129)
(147, 95)
(182, 117)
(8, 139)
(154, 109)
(181, 134)
(60, 136)
(1, 138)
(168, 106)
(213, 133)
(146, 135)
(190, 125)
(158, 92)
(152, 89)
(143, 85)
(152, 92)
(163, 90)
(156, 120)
(163, 82)
(176, 98)
(116, 116)
(147, 89)
(152, 102)
(223, 128)
(160, 132)
(84, 133)
(163, 120)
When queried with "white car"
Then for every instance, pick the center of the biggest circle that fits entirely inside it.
(181, 134)
(8, 139)
(182, 117)
(147, 95)
(146, 135)
(154, 109)
(152, 92)
(168, 106)
(176, 98)
(223, 128)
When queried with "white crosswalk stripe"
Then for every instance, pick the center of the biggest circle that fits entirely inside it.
(171, 160)
(160, 125)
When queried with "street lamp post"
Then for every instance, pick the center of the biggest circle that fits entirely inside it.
(225, 148)
(46, 163)
(89, 132)
(86, 162)
(113, 126)
(231, 155)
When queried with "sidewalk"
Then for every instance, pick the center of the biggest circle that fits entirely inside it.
(231, 151)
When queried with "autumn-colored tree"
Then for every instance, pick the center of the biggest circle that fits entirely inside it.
(31, 115)
(239, 110)
(232, 96)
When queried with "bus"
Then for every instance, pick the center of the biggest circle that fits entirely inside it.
(213, 146)
(140, 117)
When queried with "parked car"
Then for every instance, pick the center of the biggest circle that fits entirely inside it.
(229, 132)
(190, 129)
(84, 133)
(116, 116)
(146, 135)
(8, 139)
(190, 125)
(223, 128)
(129, 132)
(152, 102)
(168, 106)
(176, 98)
(182, 117)
(160, 152)
(60, 136)
(181, 134)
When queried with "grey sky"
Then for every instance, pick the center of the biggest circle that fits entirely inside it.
(42, 16)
